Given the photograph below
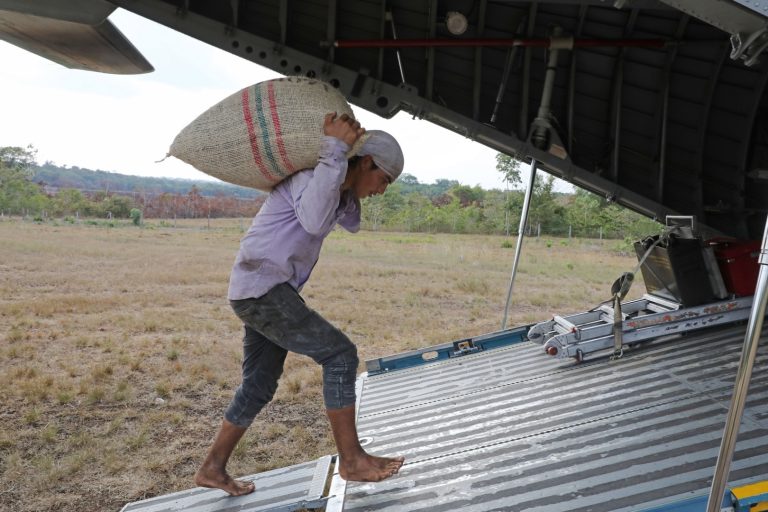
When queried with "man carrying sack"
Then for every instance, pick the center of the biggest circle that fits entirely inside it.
(275, 259)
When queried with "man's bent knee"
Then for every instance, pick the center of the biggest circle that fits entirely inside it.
(248, 402)
(238, 421)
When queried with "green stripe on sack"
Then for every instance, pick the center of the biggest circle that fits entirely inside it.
(267, 140)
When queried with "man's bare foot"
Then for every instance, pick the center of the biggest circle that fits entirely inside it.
(214, 479)
(368, 468)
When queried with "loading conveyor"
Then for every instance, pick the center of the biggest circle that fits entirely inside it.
(641, 320)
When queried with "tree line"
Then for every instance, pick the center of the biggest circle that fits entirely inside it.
(446, 206)
(450, 207)
(50, 191)
(59, 177)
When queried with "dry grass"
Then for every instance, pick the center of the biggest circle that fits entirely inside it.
(118, 350)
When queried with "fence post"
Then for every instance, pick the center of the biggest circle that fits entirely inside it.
(570, 229)
(601, 232)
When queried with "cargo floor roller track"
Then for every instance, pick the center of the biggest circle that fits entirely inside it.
(641, 320)
(511, 429)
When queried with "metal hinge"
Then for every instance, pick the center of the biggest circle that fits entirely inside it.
(464, 347)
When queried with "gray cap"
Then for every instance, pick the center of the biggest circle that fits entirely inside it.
(385, 151)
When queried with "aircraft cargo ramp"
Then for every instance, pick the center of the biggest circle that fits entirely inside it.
(510, 428)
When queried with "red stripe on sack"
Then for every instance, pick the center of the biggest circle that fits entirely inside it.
(248, 118)
(276, 123)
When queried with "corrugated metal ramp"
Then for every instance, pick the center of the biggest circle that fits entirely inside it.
(281, 490)
(513, 429)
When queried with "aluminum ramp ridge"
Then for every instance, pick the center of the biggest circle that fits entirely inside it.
(280, 490)
(513, 429)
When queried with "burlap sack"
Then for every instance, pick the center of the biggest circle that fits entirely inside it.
(261, 135)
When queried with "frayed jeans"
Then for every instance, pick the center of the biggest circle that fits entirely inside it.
(275, 324)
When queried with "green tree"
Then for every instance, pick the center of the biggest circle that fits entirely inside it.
(468, 195)
(69, 201)
(18, 193)
(455, 218)
(381, 211)
(620, 222)
(584, 212)
(509, 167)
(545, 209)
(408, 179)
(136, 216)
(495, 209)
(17, 158)
(374, 211)
(115, 206)
(414, 214)
(441, 186)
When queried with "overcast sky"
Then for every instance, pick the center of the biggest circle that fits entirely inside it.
(125, 123)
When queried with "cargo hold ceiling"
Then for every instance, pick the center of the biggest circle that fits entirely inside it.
(659, 106)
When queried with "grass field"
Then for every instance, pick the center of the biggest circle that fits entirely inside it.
(119, 352)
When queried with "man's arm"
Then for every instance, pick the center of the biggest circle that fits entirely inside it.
(316, 195)
(317, 198)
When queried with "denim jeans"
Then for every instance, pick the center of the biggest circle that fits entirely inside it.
(275, 324)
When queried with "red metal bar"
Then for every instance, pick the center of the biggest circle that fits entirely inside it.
(542, 43)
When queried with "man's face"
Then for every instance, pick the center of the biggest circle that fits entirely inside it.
(371, 181)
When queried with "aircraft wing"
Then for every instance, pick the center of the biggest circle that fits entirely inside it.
(77, 35)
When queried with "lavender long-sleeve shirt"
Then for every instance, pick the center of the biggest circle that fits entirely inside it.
(283, 243)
